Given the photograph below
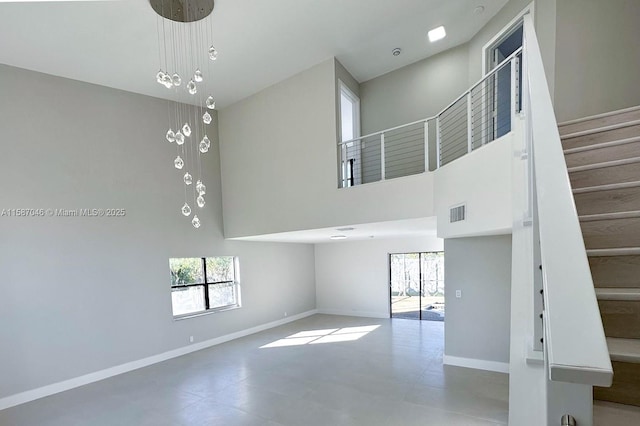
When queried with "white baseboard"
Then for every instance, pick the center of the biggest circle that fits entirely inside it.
(365, 314)
(478, 364)
(33, 394)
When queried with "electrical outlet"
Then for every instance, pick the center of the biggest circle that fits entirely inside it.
(458, 294)
(190, 339)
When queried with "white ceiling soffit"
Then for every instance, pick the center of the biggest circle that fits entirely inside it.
(378, 230)
(114, 43)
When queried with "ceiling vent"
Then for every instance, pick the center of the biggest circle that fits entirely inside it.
(457, 213)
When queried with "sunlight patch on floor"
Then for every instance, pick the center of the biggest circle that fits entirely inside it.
(331, 335)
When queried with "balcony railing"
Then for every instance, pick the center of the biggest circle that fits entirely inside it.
(478, 116)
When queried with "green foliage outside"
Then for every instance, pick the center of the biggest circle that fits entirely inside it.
(190, 270)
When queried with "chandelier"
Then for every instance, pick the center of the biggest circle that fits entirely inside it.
(185, 53)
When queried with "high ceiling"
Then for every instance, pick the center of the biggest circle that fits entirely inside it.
(114, 43)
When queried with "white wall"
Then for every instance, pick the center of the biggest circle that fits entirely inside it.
(279, 164)
(598, 60)
(477, 325)
(482, 181)
(84, 294)
(352, 278)
(414, 92)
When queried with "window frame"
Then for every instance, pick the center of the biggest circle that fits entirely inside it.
(347, 172)
(235, 282)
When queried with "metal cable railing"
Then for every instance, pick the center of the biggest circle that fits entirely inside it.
(480, 115)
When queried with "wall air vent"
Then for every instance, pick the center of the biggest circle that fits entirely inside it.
(457, 213)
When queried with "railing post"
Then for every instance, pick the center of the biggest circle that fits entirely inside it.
(382, 160)
(343, 171)
(426, 145)
(438, 142)
(517, 79)
(514, 89)
(469, 124)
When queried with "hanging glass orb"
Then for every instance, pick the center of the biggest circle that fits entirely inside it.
(201, 188)
(195, 222)
(160, 76)
(213, 53)
(186, 210)
(171, 137)
(167, 81)
(188, 179)
(197, 76)
(186, 130)
(191, 87)
(200, 201)
(206, 118)
(178, 162)
(211, 103)
(177, 80)
(179, 138)
(203, 147)
(207, 141)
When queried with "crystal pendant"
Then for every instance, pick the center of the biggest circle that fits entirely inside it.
(186, 130)
(177, 80)
(206, 118)
(179, 138)
(191, 87)
(186, 210)
(197, 76)
(188, 179)
(201, 188)
(195, 222)
(206, 141)
(200, 201)
(211, 103)
(171, 137)
(160, 76)
(213, 53)
(178, 162)
(167, 81)
(203, 147)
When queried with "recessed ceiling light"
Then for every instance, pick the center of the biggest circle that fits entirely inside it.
(437, 34)
(338, 237)
(478, 10)
(396, 52)
(345, 229)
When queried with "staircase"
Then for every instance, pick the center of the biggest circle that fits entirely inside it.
(603, 158)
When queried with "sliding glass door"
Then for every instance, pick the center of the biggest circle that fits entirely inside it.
(416, 285)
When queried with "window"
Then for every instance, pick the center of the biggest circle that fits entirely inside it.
(205, 284)
(349, 130)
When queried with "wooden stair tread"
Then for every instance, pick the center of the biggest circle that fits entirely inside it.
(600, 129)
(601, 145)
(621, 251)
(604, 164)
(597, 138)
(624, 350)
(612, 293)
(607, 187)
(599, 120)
(609, 216)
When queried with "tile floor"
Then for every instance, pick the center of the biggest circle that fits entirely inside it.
(355, 371)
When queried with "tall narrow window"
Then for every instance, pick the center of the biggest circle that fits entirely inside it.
(349, 130)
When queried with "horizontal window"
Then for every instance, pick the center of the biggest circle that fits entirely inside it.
(203, 284)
